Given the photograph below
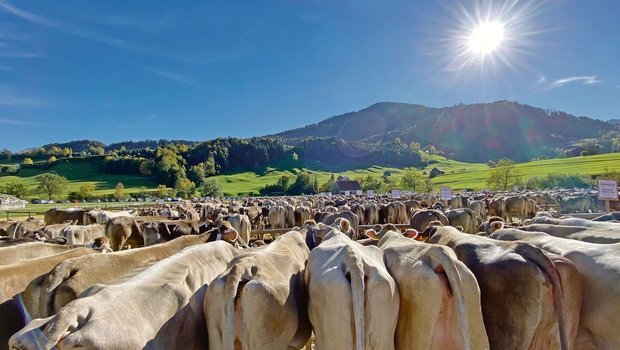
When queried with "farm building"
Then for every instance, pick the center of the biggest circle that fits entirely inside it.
(347, 185)
(10, 202)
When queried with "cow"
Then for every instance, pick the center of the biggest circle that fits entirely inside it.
(371, 213)
(161, 308)
(464, 218)
(277, 217)
(439, 296)
(60, 216)
(496, 207)
(20, 229)
(477, 206)
(580, 233)
(329, 219)
(599, 267)
(353, 300)
(302, 213)
(13, 280)
(123, 231)
(31, 250)
(577, 222)
(77, 234)
(162, 231)
(65, 282)
(52, 231)
(421, 218)
(579, 204)
(493, 224)
(260, 301)
(515, 206)
(241, 223)
(513, 281)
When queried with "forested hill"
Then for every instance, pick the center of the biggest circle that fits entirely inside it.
(476, 132)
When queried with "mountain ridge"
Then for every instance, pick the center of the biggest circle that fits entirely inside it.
(473, 132)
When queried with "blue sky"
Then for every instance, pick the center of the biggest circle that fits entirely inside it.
(132, 70)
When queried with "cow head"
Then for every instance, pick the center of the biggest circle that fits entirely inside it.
(153, 232)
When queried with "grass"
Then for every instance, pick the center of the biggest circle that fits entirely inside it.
(459, 175)
(79, 173)
(39, 209)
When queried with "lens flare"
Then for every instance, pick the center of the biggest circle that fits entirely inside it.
(486, 37)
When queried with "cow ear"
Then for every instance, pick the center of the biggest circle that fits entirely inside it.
(231, 235)
(460, 228)
(497, 225)
(411, 233)
(371, 233)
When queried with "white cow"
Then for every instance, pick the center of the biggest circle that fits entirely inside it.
(353, 300)
(439, 296)
(160, 308)
(260, 301)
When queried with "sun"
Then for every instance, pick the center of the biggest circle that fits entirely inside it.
(486, 38)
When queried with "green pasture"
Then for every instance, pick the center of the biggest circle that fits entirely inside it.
(458, 175)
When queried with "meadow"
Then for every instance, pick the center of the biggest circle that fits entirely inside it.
(458, 175)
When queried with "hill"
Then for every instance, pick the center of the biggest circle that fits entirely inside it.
(473, 133)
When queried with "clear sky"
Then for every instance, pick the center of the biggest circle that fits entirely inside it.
(131, 70)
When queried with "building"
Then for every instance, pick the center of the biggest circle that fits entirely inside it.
(9, 202)
(347, 185)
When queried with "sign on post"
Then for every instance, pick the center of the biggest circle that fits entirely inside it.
(395, 193)
(607, 190)
(370, 194)
(445, 193)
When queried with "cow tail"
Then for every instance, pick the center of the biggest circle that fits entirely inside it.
(474, 221)
(355, 268)
(548, 267)
(230, 290)
(48, 293)
(449, 266)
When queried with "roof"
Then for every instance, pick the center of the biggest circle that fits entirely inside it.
(348, 185)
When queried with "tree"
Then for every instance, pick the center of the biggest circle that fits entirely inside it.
(27, 161)
(146, 167)
(503, 175)
(51, 184)
(210, 187)
(412, 179)
(15, 188)
(197, 173)
(162, 191)
(427, 185)
(51, 159)
(330, 185)
(119, 191)
(184, 188)
(373, 183)
(86, 191)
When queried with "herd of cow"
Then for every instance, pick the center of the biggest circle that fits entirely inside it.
(476, 272)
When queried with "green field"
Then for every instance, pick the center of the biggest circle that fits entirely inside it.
(80, 173)
(39, 209)
(458, 175)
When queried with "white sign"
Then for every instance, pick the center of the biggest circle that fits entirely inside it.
(359, 192)
(516, 188)
(607, 190)
(445, 193)
(346, 193)
(370, 194)
(395, 193)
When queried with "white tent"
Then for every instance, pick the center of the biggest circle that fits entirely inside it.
(11, 202)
